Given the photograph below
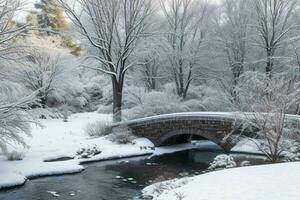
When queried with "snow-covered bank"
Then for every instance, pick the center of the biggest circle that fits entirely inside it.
(265, 182)
(11, 179)
(58, 139)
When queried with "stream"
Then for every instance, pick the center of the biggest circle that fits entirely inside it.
(119, 179)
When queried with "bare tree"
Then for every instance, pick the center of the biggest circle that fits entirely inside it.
(113, 28)
(186, 22)
(38, 70)
(151, 53)
(9, 29)
(264, 110)
(232, 31)
(273, 25)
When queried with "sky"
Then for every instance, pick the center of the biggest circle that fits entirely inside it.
(29, 5)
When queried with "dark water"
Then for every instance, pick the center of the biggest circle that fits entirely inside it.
(99, 182)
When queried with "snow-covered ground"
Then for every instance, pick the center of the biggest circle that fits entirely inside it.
(58, 139)
(265, 182)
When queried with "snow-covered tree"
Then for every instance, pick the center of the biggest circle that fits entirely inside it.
(232, 30)
(49, 73)
(273, 26)
(37, 71)
(264, 103)
(186, 23)
(113, 28)
(9, 29)
(50, 16)
(14, 118)
(151, 52)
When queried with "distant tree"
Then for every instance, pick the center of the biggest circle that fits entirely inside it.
(50, 16)
(38, 71)
(232, 30)
(151, 52)
(273, 25)
(186, 23)
(113, 28)
(48, 20)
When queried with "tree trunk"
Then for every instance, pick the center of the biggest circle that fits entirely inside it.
(117, 100)
(269, 66)
(237, 71)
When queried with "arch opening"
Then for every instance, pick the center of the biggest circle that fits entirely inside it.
(180, 139)
(176, 137)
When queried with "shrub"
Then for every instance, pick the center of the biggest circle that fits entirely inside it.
(215, 100)
(99, 128)
(194, 105)
(14, 155)
(222, 161)
(105, 109)
(155, 103)
(88, 152)
(121, 135)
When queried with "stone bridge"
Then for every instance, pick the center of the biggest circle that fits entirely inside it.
(216, 127)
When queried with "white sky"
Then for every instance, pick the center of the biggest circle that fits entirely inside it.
(29, 5)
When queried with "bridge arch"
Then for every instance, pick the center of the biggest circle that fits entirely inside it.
(191, 133)
(220, 128)
(212, 126)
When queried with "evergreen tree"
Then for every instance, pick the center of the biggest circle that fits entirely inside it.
(50, 16)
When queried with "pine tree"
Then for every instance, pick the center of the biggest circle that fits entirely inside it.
(50, 16)
(50, 20)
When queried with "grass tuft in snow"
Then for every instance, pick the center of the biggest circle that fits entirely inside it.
(14, 155)
(99, 128)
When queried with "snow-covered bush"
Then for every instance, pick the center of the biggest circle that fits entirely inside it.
(99, 128)
(163, 186)
(170, 88)
(94, 93)
(264, 102)
(105, 109)
(293, 154)
(14, 155)
(54, 75)
(121, 135)
(214, 99)
(194, 105)
(222, 161)
(155, 103)
(88, 152)
(46, 113)
(14, 117)
(133, 96)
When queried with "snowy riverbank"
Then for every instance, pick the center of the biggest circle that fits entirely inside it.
(265, 182)
(58, 139)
